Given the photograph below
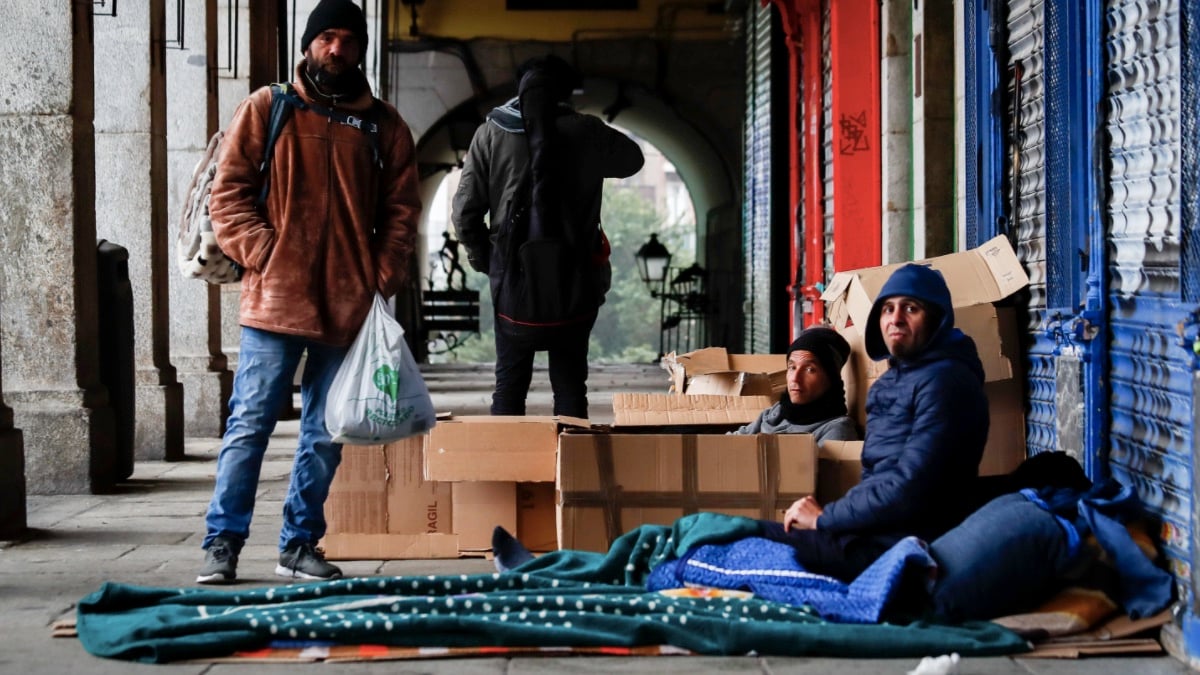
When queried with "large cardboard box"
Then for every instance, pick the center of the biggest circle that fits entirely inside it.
(715, 371)
(611, 483)
(839, 468)
(486, 448)
(479, 506)
(524, 509)
(976, 278)
(536, 516)
(638, 409)
(381, 508)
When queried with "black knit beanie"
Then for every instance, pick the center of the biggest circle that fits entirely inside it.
(335, 14)
(830, 348)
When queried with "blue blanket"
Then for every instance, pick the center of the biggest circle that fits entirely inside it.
(769, 570)
(566, 598)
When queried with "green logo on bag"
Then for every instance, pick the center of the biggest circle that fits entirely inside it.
(387, 380)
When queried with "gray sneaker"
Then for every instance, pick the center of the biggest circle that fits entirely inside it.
(305, 561)
(220, 562)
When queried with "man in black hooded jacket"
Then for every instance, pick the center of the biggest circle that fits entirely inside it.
(536, 153)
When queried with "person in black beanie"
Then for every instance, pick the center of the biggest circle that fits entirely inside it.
(815, 400)
(336, 230)
(340, 30)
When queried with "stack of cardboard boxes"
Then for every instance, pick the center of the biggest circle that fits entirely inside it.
(561, 483)
(441, 494)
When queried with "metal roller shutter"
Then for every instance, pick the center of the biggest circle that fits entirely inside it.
(1025, 79)
(1151, 437)
(756, 210)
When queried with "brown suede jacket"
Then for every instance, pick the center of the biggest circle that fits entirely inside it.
(335, 227)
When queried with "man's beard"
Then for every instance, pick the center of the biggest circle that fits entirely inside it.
(330, 83)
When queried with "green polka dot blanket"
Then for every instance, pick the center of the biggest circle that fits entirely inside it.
(566, 598)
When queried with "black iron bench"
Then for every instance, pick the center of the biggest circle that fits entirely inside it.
(448, 318)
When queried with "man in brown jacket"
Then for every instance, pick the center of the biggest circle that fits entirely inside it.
(337, 227)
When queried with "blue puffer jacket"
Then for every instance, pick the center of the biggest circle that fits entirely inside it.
(927, 423)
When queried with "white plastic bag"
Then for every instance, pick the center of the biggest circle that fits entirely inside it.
(378, 394)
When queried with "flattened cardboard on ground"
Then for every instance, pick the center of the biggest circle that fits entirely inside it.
(638, 409)
(611, 483)
(380, 507)
(486, 448)
(1116, 636)
(976, 279)
(715, 371)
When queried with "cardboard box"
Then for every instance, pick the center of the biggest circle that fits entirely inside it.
(686, 409)
(486, 448)
(716, 371)
(479, 506)
(536, 517)
(380, 507)
(976, 278)
(839, 468)
(524, 509)
(611, 483)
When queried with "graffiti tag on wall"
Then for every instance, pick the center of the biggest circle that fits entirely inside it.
(853, 134)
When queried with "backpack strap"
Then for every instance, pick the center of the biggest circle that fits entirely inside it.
(365, 123)
(282, 101)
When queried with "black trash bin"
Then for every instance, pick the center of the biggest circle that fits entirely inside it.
(116, 359)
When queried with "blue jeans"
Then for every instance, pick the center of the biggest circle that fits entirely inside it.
(266, 365)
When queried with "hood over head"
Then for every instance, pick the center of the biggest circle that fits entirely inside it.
(914, 281)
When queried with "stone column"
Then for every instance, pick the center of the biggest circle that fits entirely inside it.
(897, 126)
(932, 125)
(131, 205)
(233, 85)
(195, 305)
(48, 244)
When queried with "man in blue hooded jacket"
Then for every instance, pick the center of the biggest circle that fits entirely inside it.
(927, 423)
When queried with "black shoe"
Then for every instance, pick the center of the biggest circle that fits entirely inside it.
(508, 552)
(220, 562)
(305, 561)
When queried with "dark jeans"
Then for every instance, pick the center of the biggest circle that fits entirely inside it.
(842, 557)
(568, 351)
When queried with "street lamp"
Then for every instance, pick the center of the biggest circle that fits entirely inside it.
(652, 260)
(687, 292)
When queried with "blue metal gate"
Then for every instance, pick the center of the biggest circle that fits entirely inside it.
(1035, 85)
(1190, 177)
(1151, 440)
(1026, 227)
